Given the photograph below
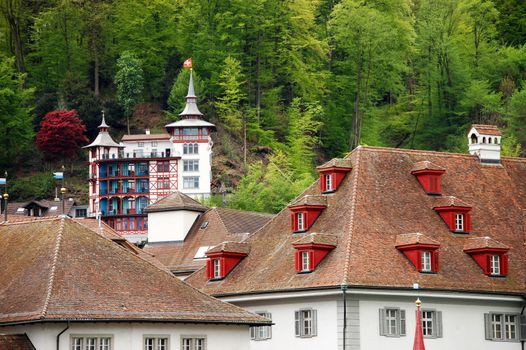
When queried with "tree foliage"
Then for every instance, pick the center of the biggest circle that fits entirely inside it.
(129, 80)
(61, 135)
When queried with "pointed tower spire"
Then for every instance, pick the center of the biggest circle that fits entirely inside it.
(103, 127)
(191, 111)
(419, 335)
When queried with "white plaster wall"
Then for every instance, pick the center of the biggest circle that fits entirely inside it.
(170, 225)
(162, 145)
(462, 324)
(205, 170)
(283, 336)
(129, 336)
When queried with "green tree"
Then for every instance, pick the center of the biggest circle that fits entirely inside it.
(16, 120)
(129, 80)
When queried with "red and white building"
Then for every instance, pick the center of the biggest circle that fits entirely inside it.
(342, 265)
(126, 177)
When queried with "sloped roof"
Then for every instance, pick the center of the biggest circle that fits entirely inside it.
(103, 139)
(145, 137)
(61, 270)
(336, 163)
(46, 204)
(426, 165)
(310, 200)
(379, 200)
(230, 247)
(414, 238)
(189, 122)
(483, 242)
(176, 201)
(15, 342)
(487, 129)
(449, 201)
(222, 224)
(317, 238)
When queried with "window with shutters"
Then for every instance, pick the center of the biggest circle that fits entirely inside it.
(300, 221)
(156, 342)
(504, 327)
(217, 268)
(431, 323)
(328, 182)
(91, 342)
(305, 261)
(459, 222)
(261, 332)
(392, 322)
(193, 342)
(305, 323)
(494, 265)
(426, 261)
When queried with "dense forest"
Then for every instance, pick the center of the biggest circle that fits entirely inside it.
(289, 83)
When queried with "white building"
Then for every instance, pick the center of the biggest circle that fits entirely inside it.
(125, 177)
(379, 229)
(69, 287)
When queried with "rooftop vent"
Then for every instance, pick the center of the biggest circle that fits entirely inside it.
(484, 142)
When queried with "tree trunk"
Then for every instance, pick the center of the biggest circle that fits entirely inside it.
(96, 88)
(11, 10)
(244, 142)
(356, 111)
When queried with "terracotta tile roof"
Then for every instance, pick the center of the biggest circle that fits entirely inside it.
(337, 163)
(222, 225)
(318, 238)
(69, 272)
(145, 137)
(487, 129)
(15, 342)
(379, 200)
(230, 247)
(449, 201)
(175, 201)
(414, 238)
(425, 165)
(483, 242)
(43, 203)
(310, 200)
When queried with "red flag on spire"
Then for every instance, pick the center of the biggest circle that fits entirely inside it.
(419, 335)
(187, 63)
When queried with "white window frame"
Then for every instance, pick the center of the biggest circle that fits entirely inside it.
(459, 222)
(189, 182)
(190, 148)
(392, 322)
(305, 261)
(157, 342)
(193, 342)
(300, 220)
(504, 327)
(328, 183)
(190, 165)
(431, 323)
(426, 261)
(140, 144)
(82, 341)
(261, 332)
(305, 323)
(216, 264)
(494, 265)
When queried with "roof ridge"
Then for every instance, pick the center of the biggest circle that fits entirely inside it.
(260, 213)
(350, 223)
(44, 218)
(51, 281)
(221, 220)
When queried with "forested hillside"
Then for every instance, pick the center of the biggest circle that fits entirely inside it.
(289, 83)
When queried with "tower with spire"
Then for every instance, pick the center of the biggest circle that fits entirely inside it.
(126, 177)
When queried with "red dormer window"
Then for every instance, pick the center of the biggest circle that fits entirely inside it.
(305, 211)
(332, 174)
(421, 250)
(311, 250)
(428, 174)
(455, 213)
(223, 258)
(489, 254)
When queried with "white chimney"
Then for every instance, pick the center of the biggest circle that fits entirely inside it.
(147, 131)
(484, 142)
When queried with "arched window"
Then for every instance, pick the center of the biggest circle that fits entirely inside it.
(484, 139)
(474, 139)
(489, 139)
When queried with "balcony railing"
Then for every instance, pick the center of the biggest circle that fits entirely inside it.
(197, 137)
(140, 155)
(115, 212)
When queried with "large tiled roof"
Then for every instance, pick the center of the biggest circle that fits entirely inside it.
(15, 342)
(145, 137)
(103, 139)
(47, 205)
(487, 129)
(61, 270)
(211, 228)
(378, 201)
(176, 201)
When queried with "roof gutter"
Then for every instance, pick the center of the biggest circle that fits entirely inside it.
(142, 320)
(58, 335)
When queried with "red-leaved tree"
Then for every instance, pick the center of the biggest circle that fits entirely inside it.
(61, 135)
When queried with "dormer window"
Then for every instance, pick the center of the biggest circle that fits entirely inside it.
(426, 261)
(300, 220)
(305, 261)
(328, 182)
(332, 174)
(217, 268)
(459, 222)
(305, 211)
(495, 265)
(455, 213)
(429, 176)
(420, 250)
(311, 250)
(489, 254)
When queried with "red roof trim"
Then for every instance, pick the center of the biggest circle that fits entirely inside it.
(313, 246)
(306, 206)
(334, 170)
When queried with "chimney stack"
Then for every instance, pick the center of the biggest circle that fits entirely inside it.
(484, 142)
(147, 131)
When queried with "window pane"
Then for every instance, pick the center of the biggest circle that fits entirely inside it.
(77, 344)
(509, 327)
(427, 323)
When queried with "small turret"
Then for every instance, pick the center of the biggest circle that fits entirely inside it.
(484, 142)
(191, 110)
